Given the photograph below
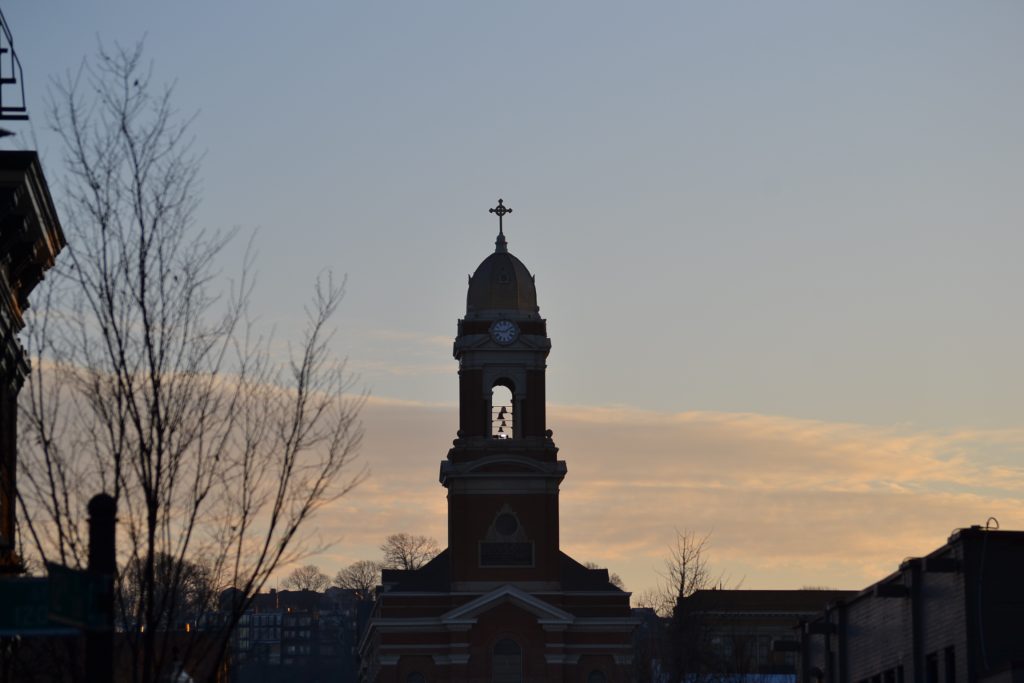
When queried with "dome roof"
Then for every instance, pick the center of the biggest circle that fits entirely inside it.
(501, 283)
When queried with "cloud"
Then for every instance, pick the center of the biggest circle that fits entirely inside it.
(423, 354)
(788, 501)
(403, 369)
(443, 341)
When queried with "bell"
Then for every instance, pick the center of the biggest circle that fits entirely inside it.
(501, 413)
(503, 424)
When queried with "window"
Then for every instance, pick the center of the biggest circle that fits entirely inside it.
(722, 646)
(950, 656)
(931, 668)
(507, 664)
(764, 650)
(415, 677)
(596, 676)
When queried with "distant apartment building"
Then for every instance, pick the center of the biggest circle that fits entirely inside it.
(297, 636)
(953, 616)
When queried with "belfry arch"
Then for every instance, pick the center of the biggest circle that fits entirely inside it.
(503, 410)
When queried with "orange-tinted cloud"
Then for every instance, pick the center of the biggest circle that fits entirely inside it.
(788, 501)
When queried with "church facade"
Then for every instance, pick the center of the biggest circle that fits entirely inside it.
(503, 603)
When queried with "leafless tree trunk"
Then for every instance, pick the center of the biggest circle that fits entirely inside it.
(153, 385)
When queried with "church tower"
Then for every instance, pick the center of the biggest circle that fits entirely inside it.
(503, 603)
(502, 473)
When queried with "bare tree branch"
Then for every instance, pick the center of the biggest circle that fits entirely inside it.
(153, 383)
(307, 578)
(408, 551)
(362, 577)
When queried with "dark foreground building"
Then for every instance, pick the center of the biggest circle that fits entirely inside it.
(30, 237)
(956, 614)
(502, 603)
(744, 634)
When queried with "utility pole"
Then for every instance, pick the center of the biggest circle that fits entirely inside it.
(99, 639)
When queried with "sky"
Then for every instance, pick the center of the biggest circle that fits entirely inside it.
(777, 244)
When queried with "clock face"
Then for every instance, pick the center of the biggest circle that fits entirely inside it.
(504, 331)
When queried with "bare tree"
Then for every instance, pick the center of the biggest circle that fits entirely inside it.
(307, 578)
(407, 551)
(362, 577)
(687, 640)
(684, 571)
(678, 642)
(686, 567)
(152, 383)
(193, 583)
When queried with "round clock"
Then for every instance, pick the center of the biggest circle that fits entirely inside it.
(504, 331)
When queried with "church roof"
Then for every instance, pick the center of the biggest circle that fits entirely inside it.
(577, 577)
(435, 577)
(501, 283)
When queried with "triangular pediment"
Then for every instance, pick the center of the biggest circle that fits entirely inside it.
(545, 612)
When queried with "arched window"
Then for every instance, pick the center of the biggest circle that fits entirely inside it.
(502, 412)
(597, 676)
(508, 662)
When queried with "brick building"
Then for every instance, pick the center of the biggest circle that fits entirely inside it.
(956, 614)
(744, 633)
(502, 603)
(30, 238)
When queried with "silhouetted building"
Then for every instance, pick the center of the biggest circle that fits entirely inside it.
(30, 238)
(744, 633)
(502, 603)
(956, 614)
(293, 636)
(652, 645)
